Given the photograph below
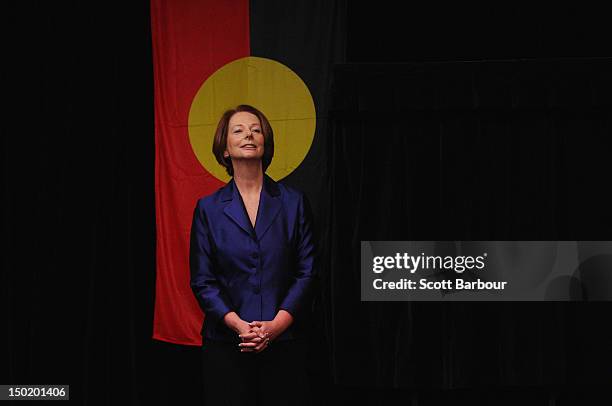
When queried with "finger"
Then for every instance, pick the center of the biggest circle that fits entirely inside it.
(259, 346)
(263, 343)
(250, 344)
(262, 346)
(255, 332)
(249, 336)
(256, 323)
(244, 348)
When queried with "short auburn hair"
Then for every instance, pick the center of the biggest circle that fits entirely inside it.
(220, 140)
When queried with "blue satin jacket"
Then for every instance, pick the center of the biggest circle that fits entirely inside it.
(252, 271)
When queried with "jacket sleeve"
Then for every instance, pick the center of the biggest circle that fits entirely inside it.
(204, 283)
(300, 292)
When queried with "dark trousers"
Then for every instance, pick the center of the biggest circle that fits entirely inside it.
(276, 376)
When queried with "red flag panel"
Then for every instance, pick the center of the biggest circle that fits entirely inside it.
(191, 40)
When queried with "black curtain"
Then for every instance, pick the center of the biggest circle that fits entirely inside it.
(491, 151)
(505, 150)
(78, 278)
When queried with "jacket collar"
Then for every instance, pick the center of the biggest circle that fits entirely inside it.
(269, 206)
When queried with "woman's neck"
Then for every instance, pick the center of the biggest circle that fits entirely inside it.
(248, 176)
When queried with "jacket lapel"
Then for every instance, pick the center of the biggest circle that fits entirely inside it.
(234, 209)
(269, 207)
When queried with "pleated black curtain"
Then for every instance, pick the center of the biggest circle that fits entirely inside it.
(505, 150)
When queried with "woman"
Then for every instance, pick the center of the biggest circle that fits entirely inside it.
(252, 260)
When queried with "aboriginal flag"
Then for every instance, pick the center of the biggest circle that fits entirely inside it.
(209, 56)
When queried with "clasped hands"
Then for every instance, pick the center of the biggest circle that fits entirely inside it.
(256, 335)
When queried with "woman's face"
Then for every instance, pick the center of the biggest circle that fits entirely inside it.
(245, 139)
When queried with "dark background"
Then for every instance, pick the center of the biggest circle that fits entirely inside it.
(513, 143)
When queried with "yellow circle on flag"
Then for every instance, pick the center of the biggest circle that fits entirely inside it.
(272, 88)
